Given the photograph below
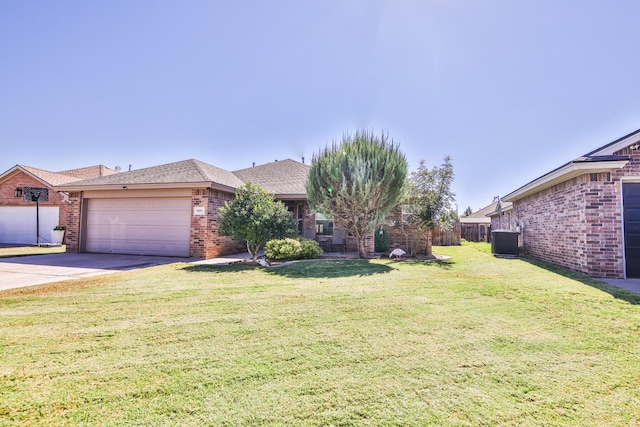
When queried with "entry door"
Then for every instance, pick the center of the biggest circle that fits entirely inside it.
(631, 200)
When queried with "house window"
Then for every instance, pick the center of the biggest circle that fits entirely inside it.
(300, 217)
(324, 226)
(408, 214)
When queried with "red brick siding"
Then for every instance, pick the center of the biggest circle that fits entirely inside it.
(404, 236)
(19, 180)
(577, 224)
(72, 223)
(503, 221)
(216, 244)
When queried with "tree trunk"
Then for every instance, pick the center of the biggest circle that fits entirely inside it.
(429, 249)
(253, 251)
(362, 250)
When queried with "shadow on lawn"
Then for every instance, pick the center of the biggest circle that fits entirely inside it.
(330, 268)
(619, 293)
(304, 269)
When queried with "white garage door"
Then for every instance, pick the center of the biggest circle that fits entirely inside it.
(139, 226)
(18, 223)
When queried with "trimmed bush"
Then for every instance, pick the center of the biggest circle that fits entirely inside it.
(290, 249)
(309, 249)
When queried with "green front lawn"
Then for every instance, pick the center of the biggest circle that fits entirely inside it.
(471, 341)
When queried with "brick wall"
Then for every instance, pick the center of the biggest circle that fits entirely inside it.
(72, 223)
(577, 224)
(503, 221)
(217, 245)
(401, 234)
(19, 180)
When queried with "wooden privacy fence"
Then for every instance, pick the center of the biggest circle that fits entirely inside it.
(476, 232)
(450, 237)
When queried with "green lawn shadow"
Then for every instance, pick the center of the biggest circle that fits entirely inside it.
(329, 268)
(317, 268)
(620, 293)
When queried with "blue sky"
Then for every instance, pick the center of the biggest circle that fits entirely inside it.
(509, 89)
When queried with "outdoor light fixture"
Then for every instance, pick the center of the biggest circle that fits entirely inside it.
(17, 192)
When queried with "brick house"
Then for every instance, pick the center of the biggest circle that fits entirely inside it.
(171, 210)
(501, 217)
(585, 215)
(477, 226)
(19, 216)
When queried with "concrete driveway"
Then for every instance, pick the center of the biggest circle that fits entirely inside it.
(38, 269)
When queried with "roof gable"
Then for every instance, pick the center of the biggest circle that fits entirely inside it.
(603, 159)
(46, 177)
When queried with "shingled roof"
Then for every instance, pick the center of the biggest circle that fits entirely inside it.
(480, 216)
(46, 177)
(90, 172)
(279, 178)
(186, 173)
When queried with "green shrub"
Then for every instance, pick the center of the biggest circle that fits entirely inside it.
(290, 249)
(309, 249)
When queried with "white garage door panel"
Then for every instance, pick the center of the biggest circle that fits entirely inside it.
(18, 223)
(139, 226)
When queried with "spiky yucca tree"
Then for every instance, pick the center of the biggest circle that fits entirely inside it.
(357, 182)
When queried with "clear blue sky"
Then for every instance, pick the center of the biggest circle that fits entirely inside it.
(509, 89)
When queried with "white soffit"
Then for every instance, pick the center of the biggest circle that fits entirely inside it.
(614, 148)
(571, 170)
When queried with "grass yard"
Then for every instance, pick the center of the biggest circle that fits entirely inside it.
(472, 341)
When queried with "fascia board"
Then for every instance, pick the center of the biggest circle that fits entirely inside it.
(611, 149)
(283, 196)
(562, 174)
(205, 184)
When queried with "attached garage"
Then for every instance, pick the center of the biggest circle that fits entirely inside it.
(145, 226)
(18, 223)
(631, 200)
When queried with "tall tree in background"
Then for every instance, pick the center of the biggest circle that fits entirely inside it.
(467, 211)
(429, 196)
(357, 182)
(255, 216)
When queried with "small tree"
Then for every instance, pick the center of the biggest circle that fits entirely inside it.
(430, 198)
(357, 182)
(255, 216)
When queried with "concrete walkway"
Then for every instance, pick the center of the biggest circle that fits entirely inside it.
(33, 270)
(631, 284)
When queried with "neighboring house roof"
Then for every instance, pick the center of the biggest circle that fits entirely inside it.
(51, 179)
(47, 178)
(500, 207)
(480, 216)
(284, 177)
(90, 172)
(602, 159)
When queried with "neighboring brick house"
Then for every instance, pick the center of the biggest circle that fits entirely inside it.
(172, 210)
(501, 217)
(19, 218)
(585, 215)
(477, 226)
